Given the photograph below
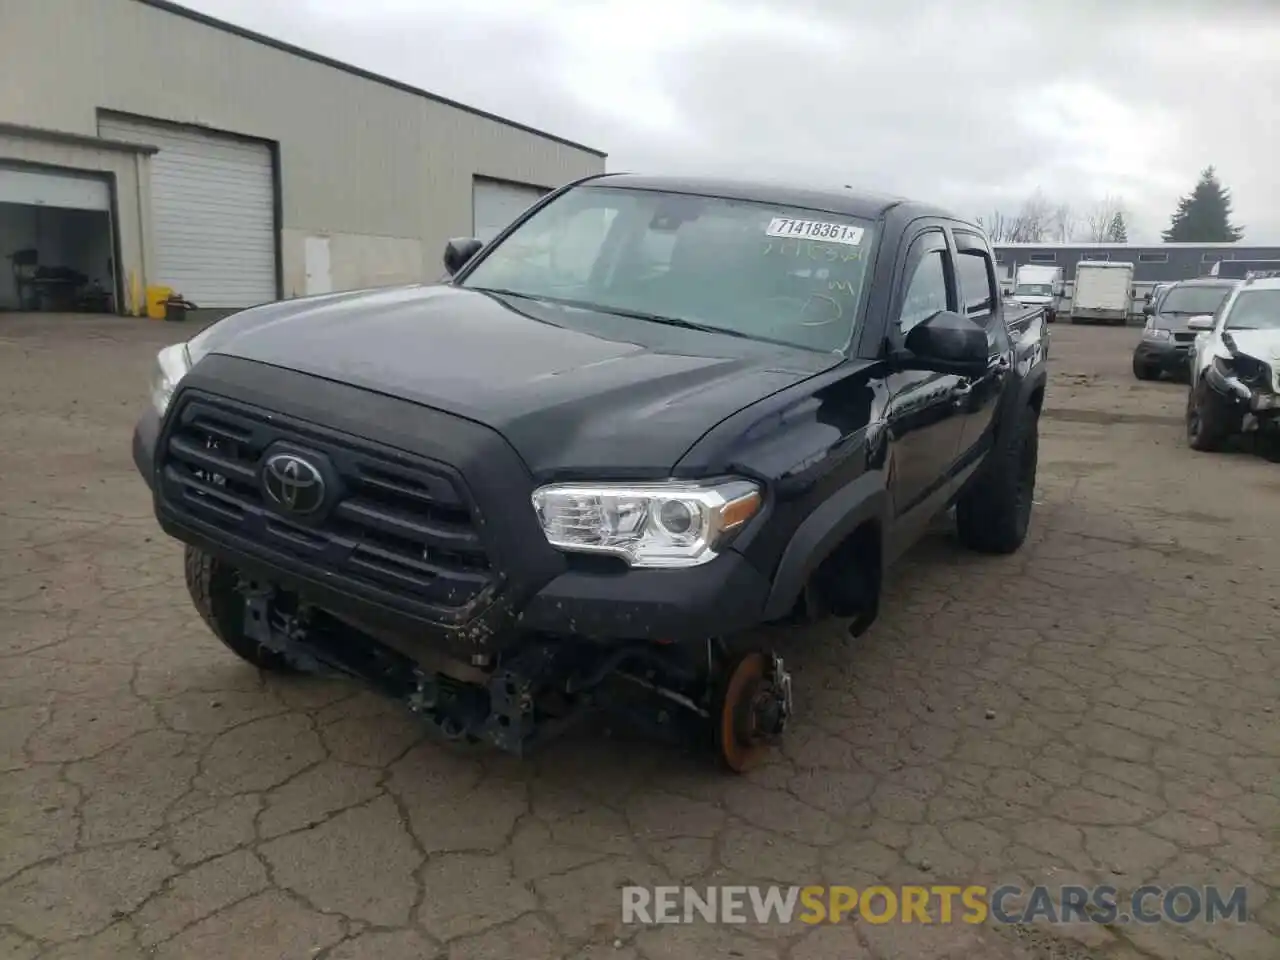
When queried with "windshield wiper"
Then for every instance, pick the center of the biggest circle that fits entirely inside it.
(506, 293)
(668, 321)
(615, 311)
(641, 315)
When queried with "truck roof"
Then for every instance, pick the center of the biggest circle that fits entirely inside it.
(842, 200)
(1105, 264)
(1262, 283)
(1202, 282)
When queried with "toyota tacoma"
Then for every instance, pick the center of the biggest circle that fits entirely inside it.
(652, 415)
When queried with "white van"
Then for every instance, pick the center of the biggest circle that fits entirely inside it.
(1037, 286)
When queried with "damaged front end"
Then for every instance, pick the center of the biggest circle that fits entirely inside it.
(532, 691)
(1250, 386)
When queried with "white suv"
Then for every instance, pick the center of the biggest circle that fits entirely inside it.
(1235, 369)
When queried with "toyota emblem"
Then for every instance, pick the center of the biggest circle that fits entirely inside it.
(293, 483)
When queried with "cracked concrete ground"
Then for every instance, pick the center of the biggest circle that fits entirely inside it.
(1100, 708)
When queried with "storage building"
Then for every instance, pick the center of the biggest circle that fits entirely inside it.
(1152, 263)
(145, 145)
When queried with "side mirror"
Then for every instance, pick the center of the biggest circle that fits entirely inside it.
(1147, 308)
(458, 251)
(1202, 322)
(947, 343)
(1059, 289)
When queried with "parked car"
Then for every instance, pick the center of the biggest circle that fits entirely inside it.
(1103, 292)
(1165, 347)
(655, 414)
(1235, 382)
(1153, 297)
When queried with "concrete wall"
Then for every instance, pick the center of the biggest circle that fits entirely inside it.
(129, 171)
(385, 172)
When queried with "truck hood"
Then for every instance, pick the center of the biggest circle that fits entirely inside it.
(1174, 322)
(1262, 345)
(575, 391)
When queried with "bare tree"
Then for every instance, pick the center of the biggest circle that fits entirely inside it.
(1033, 223)
(996, 226)
(1101, 215)
(1064, 223)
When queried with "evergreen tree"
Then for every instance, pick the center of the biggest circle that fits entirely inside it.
(1204, 215)
(1117, 231)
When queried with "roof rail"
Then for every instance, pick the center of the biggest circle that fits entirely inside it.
(1253, 275)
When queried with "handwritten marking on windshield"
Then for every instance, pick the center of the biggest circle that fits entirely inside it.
(814, 251)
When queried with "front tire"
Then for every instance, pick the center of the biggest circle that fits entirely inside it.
(212, 585)
(1144, 371)
(993, 516)
(1209, 420)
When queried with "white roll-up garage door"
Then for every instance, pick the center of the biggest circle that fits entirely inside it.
(495, 204)
(212, 209)
(46, 189)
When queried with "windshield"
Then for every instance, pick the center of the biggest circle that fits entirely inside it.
(750, 269)
(1033, 290)
(1255, 310)
(1193, 301)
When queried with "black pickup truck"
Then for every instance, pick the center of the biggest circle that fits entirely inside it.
(652, 415)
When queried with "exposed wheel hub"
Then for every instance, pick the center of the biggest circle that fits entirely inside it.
(754, 709)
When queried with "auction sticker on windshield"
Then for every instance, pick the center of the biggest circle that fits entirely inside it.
(814, 230)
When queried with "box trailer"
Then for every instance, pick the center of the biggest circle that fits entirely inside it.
(1103, 292)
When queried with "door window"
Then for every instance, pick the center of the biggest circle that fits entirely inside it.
(976, 288)
(926, 292)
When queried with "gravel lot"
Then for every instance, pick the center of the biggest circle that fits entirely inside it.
(1101, 708)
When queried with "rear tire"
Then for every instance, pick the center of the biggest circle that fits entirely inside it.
(1209, 421)
(993, 516)
(212, 585)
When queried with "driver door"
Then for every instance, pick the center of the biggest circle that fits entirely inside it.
(924, 420)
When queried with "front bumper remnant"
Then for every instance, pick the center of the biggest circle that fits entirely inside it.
(1261, 406)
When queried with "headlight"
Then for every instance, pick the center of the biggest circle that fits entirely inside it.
(172, 364)
(670, 524)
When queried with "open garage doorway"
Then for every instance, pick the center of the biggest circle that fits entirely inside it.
(57, 242)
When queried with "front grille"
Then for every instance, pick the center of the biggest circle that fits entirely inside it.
(1184, 337)
(393, 521)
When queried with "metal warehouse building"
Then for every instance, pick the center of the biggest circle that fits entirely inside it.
(1152, 263)
(144, 144)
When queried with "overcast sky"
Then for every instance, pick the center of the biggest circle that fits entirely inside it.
(971, 104)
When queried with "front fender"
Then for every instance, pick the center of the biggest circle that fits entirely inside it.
(862, 500)
(1029, 384)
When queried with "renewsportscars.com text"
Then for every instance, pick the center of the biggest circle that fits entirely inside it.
(939, 903)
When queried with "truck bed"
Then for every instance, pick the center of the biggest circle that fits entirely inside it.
(1018, 317)
(1029, 329)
